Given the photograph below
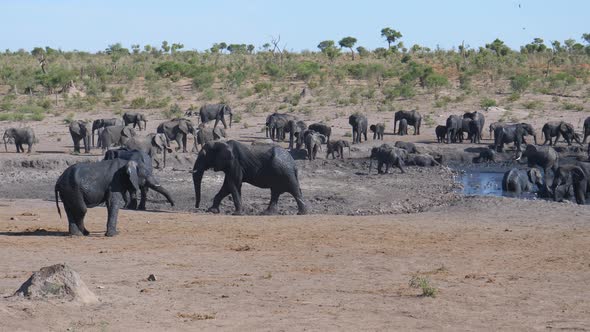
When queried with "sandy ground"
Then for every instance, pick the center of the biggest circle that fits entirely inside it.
(497, 264)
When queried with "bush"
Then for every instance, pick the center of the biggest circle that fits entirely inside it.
(424, 284)
(399, 90)
(263, 87)
(173, 112)
(117, 94)
(519, 83)
(487, 102)
(305, 70)
(572, 106)
(533, 105)
(138, 102)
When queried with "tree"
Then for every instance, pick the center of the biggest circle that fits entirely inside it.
(39, 53)
(176, 47)
(499, 47)
(328, 48)
(348, 42)
(586, 37)
(435, 82)
(390, 36)
(135, 48)
(250, 48)
(362, 51)
(537, 46)
(165, 46)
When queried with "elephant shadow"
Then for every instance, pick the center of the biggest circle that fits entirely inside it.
(36, 232)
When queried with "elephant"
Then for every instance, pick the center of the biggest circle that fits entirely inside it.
(544, 157)
(275, 125)
(177, 130)
(87, 185)
(403, 127)
(574, 177)
(413, 117)
(586, 129)
(558, 129)
(384, 154)
(20, 136)
(495, 125)
(322, 129)
(217, 112)
(139, 157)
(465, 124)
(114, 135)
(337, 147)
(422, 160)
(485, 155)
(359, 127)
(513, 134)
(263, 166)
(313, 143)
(518, 181)
(136, 119)
(295, 129)
(378, 130)
(479, 118)
(205, 135)
(102, 123)
(150, 144)
(454, 126)
(441, 132)
(79, 130)
(475, 131)
(408, 146)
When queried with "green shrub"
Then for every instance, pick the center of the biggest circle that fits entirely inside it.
(571, 106)
(237, 118)
(117, 94)
(519, 83)
(513, 97)
(424, 284)
(173, 112)
(305, 70)
(532, 105)
(263, 87)
(138, 102)
(487, 102)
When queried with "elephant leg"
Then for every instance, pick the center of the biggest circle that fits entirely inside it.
(75, 214)
(29, 148)
(400, 165)
(274, 200)
(184, 143)
(114, 202)
(301, 206)
(143, 198)
(216, 122)
(223, 193)
(223, 122)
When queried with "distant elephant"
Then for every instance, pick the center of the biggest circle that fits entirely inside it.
(412, 117)
(139, 157)
(558, 129)
(322, 129)
(518, 181)
(89, 184)
(102, 123)
(378, 130)
(495, 125)
(441, 132)
(136, 119)
(408, 146)
(385, 156)
(480, 119)
(513, 134)
(114, 135)
(359, 127)
(337, 147)
(586, 129)
(263, 166)
(177, 130)
(465, 124)
(485, 155)
(80, 131)
(276, 123)
(475, 131)
(422, 160)
(217, 112)
(544, 157)
(295, 129)
(403, 127)
(575, 176)
(151, 144)
(313, 142)
(20, 136)
(205, 135)
(454, 126)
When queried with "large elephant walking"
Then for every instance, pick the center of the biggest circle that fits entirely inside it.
(454, 127)
(136, 119)
(479, 118)
(544, 157)
(114, 135)
(359, 125)
(79, 130)
(216, 112)
(559, 129)
(412, 117)
(177, 130)
(263, 166)
(276, 124)
(152, 144)
(103, 123)
(574, 177)
(513, 134)
(20, 136)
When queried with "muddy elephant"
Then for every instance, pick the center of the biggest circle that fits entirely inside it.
(263, 166)
(412, 117)
(152, 144)
(19, 136)
(322, 129)
(474, 131)
(114, 135)
(80, 131)
(378, 131)
(485, 155)
(465, 124)
(495, 125)
(275, 125)
(573, 177)
(102, 123)
(479, 118)
(177, 130)
(544, 157)
(387, 156)
(441, 132)
(87, 185)
(216, 111)
(295, 129)
(136, 119)
(337, 147)
(454, 128)
(422, 160)
(313, 143)
(408, 146)
(205, 135)
(559, 129)
(359, 127)
(513, 134)
(403, 127)
(518, 181)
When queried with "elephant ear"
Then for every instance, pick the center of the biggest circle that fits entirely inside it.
(128, 132)
(534, 175)
(323, 139)
(226, 110)
(563, 127)
(184, 127)
(578, 174)
(159, 141)
(131, 170)
(218, 133)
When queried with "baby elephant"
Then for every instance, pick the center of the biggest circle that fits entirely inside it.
(313, 142)
(441, 132)
(87, 185)
(403, 127)
(337, 147)
(485, 155)
(517, 181)
(378, 130)
(388, 156)
(408, 146)
(422, 160)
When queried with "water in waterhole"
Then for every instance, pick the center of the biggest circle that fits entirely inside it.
(486, 183)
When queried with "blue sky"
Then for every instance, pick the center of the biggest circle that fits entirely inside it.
(302, 24)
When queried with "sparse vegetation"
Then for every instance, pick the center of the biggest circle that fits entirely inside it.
(424, 284)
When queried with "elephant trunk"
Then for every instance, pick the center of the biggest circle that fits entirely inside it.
(5, 146)
(535, 138)
(231, 116)
(198, 171)
(370, 164)
(161, 190)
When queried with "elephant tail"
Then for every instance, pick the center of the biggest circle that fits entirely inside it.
(57, 202)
